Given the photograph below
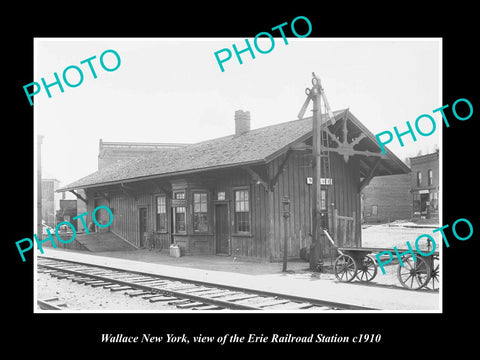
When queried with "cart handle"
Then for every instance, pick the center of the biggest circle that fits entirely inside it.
(331, 240)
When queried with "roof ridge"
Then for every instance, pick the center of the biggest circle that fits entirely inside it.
(265, 127)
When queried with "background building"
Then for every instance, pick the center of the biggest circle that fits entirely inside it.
(50, 200)
(112, 152)
(425, 185)
(387, 198)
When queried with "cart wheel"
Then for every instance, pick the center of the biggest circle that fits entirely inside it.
(434, 283)
(345, 268)
(413, 274)
(367, 270)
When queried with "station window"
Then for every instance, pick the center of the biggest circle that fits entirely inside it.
(179, 195)
(430, 177)
(374, 210)
(179, 219)
(323, 200)
(200, 212)
(161, 213)
(242, 211)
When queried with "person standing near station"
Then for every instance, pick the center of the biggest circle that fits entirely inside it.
(92, 227)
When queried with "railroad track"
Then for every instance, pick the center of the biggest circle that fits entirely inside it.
(183, 294)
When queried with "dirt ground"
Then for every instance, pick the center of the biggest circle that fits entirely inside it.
(397, 235)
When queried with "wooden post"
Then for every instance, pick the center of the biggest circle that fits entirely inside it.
(354, 228)
(335, 223)
(271, 216)
(286, 215)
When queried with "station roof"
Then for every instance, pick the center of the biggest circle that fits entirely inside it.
(258, 146)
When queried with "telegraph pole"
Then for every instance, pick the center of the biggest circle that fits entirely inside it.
(317, 153)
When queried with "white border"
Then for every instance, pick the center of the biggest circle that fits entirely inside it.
(307, 39)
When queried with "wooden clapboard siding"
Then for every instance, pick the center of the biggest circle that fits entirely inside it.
(291, 183)
(253, 245)
(346, 197)
(125, 222)
(126, 217)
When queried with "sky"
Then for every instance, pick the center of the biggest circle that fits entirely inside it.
(172, 90)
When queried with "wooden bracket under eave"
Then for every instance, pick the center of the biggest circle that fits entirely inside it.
(78, 196)
(281, 167)
(370, 176)
(257, 177)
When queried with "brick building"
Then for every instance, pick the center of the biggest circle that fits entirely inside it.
(112, 152)
(425, 185)
(387, 198)
(404, 196)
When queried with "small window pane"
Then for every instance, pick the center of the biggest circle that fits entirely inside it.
(180, 195)
(323, 200)
(161, 215)
(161, 206)
(180, 219)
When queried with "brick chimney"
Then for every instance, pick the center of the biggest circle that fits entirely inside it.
(242, 122)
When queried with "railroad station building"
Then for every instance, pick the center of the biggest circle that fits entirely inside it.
(224, 196)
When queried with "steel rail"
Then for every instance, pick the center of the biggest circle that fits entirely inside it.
(160, 291)
(295, 298)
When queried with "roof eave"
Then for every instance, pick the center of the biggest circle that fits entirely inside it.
(157, 176)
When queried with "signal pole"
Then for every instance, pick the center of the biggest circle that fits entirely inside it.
(317, 153)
